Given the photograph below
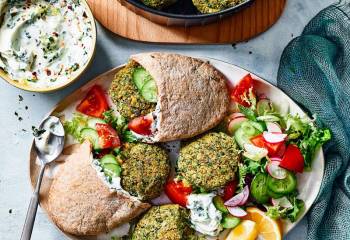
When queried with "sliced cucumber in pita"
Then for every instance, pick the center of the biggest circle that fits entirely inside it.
(145, 84)
(140, 76)
(112, 170)
(109, 158)
(149, 91)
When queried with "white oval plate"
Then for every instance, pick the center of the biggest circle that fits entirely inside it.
(308, 183)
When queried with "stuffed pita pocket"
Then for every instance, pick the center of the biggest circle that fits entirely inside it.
(177, 96)
(80, 203)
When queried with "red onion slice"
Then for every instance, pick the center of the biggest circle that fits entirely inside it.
(239, 199)
(273, 127)
(274, 137)
(275, 170)
(237, 211)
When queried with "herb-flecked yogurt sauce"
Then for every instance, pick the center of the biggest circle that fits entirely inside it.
(44, 43)
(205, 218)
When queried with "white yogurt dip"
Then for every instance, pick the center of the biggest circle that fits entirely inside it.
(44, 42)
(205, 218)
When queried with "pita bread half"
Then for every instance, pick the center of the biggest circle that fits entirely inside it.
(192, 94)
(80, 203)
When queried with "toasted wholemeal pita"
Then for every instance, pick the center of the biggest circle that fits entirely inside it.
(192, 95)
(80, 203)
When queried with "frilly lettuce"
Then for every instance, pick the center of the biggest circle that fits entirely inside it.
(291, 213)
(304, 133)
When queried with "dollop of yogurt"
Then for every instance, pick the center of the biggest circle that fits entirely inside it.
(205, 218)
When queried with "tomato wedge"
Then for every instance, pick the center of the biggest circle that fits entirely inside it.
(141, 125)
(177, 192)
(108, 137)
(95, 103)
(229, 190)
(274, 149)
(293, 160)
(241, 91)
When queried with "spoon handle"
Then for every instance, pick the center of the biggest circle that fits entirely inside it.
(33, 206)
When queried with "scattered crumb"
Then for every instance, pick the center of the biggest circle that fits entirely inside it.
(16, 114)
(20, 119)
(33, 95)
(10, 211)
(26, 107)
(20, 98)
(234, 45)
(292, 35)
(23, 130)
(250, 52)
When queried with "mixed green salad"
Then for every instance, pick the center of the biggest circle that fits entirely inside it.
(275, 148)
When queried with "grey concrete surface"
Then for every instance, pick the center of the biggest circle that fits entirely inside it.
(260, 55)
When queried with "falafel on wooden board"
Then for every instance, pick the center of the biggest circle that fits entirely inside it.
(189, 95)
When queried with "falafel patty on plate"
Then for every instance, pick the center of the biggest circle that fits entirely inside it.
(209, 162)
(164, 222)
(145, 170)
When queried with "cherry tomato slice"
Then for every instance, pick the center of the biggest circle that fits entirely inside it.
(95, 103)
(241, 90)
(293, 160)
(229, 190)
(177, 192)
(274, 149)
(108, 137)
(141, 125)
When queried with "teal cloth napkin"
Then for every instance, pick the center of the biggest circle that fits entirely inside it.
(315, 72)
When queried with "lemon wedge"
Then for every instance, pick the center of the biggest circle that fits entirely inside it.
(246, 230)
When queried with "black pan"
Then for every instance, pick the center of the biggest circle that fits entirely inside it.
(182, 13)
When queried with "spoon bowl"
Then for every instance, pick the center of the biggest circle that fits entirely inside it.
(49, 143)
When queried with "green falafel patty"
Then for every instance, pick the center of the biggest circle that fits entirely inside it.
(209, 162)
(126, 96)
(145, 170)
(158, 4)
(212, 6)
(166, 222)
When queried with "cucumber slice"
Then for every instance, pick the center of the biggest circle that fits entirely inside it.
(241, 138)
(230, 221)
(263, 106)
(149, 91)
(268, 118)
(273, 194)
(219, 204)
(91, 135)
(260, 126)
(109, 158)
(92, 122)
(258, 188)
(140, 76)
(245, 133)
(283, 186)
(112, 170)
(249, 129)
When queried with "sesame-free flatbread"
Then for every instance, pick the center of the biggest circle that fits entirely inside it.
(80, 203)
(192, 94)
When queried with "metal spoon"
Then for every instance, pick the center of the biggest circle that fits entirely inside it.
(48, 145)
